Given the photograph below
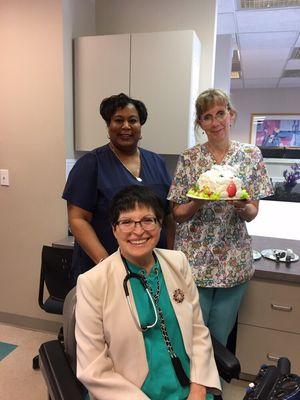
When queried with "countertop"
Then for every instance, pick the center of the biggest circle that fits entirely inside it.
(268, 269)
(264, 268)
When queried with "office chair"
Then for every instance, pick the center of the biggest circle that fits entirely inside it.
(58, 361)
(55, 275)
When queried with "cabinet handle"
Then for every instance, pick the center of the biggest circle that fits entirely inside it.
(281, 308)
(272, 358)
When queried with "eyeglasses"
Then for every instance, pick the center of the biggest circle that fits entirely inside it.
(128, 225)
(207, 119)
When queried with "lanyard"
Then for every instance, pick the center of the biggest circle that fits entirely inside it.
(180, 373)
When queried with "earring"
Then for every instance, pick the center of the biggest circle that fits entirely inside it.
(108, 137)
(141, 137)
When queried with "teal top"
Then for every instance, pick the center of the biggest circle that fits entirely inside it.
(161, 382)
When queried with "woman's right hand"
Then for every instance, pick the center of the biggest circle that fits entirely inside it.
(183, 212)
(197, 392)
(80, 225)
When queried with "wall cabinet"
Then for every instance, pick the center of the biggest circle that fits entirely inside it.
(101, 68)
(269, 325)
(159, 68)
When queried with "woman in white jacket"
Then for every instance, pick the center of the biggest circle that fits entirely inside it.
(139, 328)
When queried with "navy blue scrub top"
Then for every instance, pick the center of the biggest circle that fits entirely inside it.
(95, 179)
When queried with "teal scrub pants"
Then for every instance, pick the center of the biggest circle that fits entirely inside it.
(219, 309)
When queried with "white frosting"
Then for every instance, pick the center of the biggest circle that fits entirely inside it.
(218, 178)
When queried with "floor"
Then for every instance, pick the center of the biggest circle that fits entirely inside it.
(235, 390)
(17, 378)
(19, 381)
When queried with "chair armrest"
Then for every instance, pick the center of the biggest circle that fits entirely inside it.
(228, 365)
(61, 381)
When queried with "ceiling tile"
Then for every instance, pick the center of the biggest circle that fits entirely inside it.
(267, 40)
(289, 82)
(257, 83)
(225, 6)
(293, 64)
(263, 63)
(226, 24)
(268, 20)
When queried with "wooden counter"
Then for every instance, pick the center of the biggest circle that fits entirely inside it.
(264, 268)
(268, 269)
(65, 243)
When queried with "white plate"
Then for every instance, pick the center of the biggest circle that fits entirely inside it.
(192, 196)
(271, 254)
(256, 255)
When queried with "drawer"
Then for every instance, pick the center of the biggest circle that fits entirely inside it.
(271, 305)
(257, 346)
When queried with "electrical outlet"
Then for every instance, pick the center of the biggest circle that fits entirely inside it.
(4, 177)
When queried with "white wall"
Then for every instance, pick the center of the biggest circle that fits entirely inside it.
(32, 147)
(78, 20)
(223, 62)
(275, 218)
(247, 101)
(280, 219)
(268, 101)
(132, 16)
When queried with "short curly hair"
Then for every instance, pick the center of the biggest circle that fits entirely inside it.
(127, 199)
(208, 99)
(111, 104)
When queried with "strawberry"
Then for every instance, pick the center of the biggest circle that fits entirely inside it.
(231, 189)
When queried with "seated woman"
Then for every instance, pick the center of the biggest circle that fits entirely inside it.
(139, 328)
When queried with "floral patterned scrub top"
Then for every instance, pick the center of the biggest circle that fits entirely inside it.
(215, 240)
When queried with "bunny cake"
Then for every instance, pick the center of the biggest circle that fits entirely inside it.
(219, 183)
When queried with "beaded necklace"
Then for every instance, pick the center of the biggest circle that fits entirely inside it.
(180, 373)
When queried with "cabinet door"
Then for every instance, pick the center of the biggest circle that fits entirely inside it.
(101, 69)
(257, 346)
(165, 69)
(273, 305)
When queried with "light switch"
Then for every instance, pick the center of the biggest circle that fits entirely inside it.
(4, 177)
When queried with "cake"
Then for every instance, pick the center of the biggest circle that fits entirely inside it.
(221, 182)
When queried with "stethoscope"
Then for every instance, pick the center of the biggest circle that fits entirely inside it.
(180, 373)
(132, 275)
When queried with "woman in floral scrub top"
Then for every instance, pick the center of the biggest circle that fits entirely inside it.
(213, 234)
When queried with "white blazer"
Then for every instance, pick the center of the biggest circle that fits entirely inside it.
(111, 356)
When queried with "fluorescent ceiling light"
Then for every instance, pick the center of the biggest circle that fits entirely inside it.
(291, 73)
(295, 53)
(235, 75)
(258, 4)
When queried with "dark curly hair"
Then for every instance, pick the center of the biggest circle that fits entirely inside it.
(127, 199)
(111, 104)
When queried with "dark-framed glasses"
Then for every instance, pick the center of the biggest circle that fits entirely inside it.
(147, 223)
(220, 116)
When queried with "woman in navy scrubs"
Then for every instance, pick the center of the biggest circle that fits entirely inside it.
(100, 174)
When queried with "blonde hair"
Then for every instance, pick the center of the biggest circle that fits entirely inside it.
(208, 99)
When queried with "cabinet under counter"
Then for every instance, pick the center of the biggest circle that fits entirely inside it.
(269, 316)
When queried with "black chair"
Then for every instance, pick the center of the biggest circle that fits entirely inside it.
(58, 361)
(56, 277)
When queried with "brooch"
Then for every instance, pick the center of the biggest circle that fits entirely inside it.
(178, 295)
